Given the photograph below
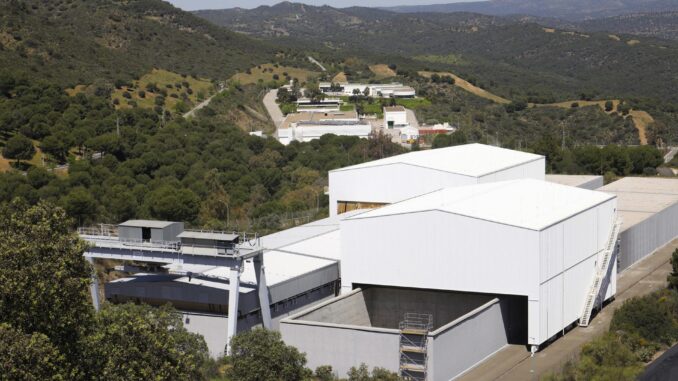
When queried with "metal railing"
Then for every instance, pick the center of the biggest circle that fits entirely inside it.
(108, 235)
(417, 321)
(103, 230)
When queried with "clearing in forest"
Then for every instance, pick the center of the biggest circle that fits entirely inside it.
(340, 78)
(473, 89)
(269, 72)
(36, 161)
(179, 88)
(382, 71)
(641, 119)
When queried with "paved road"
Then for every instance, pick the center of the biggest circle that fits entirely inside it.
(203, 104)
(273, 108)
(412, 118)
(672, 153)
(663, 368)
(513, 363)
(317, 63)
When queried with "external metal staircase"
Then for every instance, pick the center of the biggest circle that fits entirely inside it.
(602, 268)
(414, 331)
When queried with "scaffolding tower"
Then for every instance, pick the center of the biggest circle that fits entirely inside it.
(414, 330)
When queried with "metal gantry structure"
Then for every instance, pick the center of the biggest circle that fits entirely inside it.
(229, 249)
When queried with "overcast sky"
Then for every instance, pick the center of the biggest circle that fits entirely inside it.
(191, 5)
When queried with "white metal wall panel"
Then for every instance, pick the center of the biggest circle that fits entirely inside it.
(581, 237)
(438, 250)
(552, 248)
(389, 183)
(551, 307)
(533, 322)
(531, 170)
(577, 284)
(606, 215)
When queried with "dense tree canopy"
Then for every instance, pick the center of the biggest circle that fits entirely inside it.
(44, 278)
(48, 329)
(262, 355)
(138, 342)
(29, 357)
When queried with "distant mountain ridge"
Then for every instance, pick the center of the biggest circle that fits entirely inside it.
(571, 10)
(508, 53)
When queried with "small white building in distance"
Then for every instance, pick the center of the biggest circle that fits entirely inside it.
(376, 90)
(397, 178)
(306, 126)
(395, 117)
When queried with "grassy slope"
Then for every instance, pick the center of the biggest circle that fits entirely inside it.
(265, 73)
(641, 119)
(464, 84)
(162, 78)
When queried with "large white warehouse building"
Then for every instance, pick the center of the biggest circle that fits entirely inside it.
(516, 261)
(523, 237)
(398, 178)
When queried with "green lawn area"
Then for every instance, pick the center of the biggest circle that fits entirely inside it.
(413, 103)
(347, 107)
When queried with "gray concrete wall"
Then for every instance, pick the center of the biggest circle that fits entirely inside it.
(460, 345)
(343, 346)
(647, 236)
(337, 333)
(387, 306)
(348, 310)
(593, 184)
(214, 328)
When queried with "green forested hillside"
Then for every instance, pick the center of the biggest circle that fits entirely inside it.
(509, 57)
(72, 42)
(105, 163)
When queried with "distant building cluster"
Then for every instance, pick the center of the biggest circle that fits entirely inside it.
(391, 90)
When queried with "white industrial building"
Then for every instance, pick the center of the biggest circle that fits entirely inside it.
(305, 132)
(397, 178)
(395, 117)
(442, 258)
(377, 90)
(307, 126)
(544, 251)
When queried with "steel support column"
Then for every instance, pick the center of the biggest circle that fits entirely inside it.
(94, 285)
(233, 298)
(264, 301)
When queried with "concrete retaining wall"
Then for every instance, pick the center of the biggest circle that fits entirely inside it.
(465, 342)
(453, 348)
